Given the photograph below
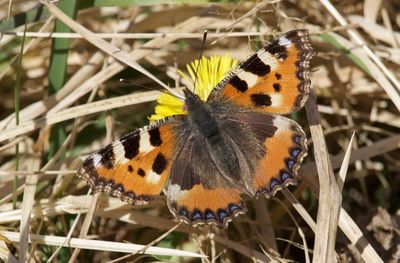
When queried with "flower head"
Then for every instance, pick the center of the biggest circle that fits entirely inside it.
(210, 71)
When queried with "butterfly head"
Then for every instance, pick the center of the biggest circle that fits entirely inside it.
(199, 114)
(192, 101)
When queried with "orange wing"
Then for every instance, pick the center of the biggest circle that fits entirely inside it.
(275, 79)
(285, 152)
(136, 166)
(284, 147)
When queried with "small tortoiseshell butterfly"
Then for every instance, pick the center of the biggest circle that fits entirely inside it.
(234, 143)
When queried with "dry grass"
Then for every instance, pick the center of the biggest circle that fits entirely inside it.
(346, 208)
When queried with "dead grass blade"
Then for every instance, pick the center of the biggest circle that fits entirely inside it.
(346, 223)
(79, 111)
(99, 245)
(105, 46)
(329, 195)
(299, 230)
(27, 205)
(374, 30)
(5, 254)
(385, 72)
(86, 224)
(135, 35)
(345, 165)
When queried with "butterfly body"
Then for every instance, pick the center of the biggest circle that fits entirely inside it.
(232, 144)
(221, 143)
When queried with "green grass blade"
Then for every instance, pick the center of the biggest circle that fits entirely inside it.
(331, 40)
(58, 70)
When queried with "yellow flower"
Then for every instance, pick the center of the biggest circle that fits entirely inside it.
(211, 71)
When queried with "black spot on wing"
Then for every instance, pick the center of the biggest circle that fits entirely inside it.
(141, 172)
(274, 183)
(278, 76)
(130, 168)
(295, 152)
(255, 65)
(196, 215)
(284, 175)
(222, 214)
(290, 163)
(293, 35)
(159, 163)
(261, 100)
(155, 138)
(183, 212)
(131, 145)
(219, 216)
(239, 84)
(209, 214)
(277, 87)
(296, 138)
(277, 50)
(107, 157)
(233, 208)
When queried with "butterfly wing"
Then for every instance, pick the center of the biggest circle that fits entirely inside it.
(201, 197)
(285, 148)
(275, 79)
(136, 166)
(285, 153)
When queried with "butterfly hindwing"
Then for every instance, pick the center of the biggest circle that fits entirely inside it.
(285, 151)
(275, 79)
(283, 145)
(201, 198)
(136, 166)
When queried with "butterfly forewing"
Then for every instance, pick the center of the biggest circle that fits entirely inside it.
(136, 166)
(275, 79)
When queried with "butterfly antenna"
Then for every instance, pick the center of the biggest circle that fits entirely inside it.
(201, 55)
(128, 82)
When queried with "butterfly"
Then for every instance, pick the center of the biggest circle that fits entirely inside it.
(233, 144)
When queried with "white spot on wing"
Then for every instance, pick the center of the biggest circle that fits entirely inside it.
(276, 100)
(268, 59)
(144, 143)
(152, 177)
(96, 159)
(250, 78)
(119, 152)
(174, 192)
(282, 124)
(283, 41)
